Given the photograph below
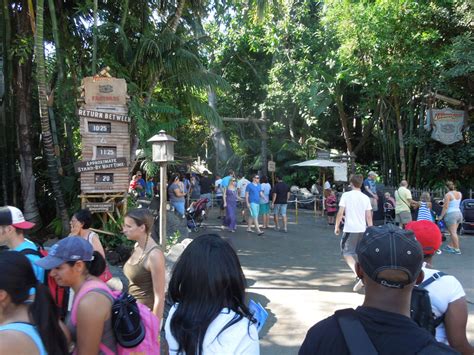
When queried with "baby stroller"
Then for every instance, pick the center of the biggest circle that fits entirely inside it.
(195, 214)
(388, 212)
(467, 209)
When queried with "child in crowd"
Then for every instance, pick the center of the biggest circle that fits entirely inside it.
(209, 315)
(26, 326)
(424, 210)
(331, 207)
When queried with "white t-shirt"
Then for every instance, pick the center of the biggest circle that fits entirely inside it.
(266, 188)
(355, 204)
(240, 338)
(442, 292)
(218, 184)
(242, 185)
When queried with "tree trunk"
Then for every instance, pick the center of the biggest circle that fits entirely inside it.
(174, 21)
(222, 147)
(22, 86)
(345, 128)
(45, 127)
(94, 39)
(401, 144)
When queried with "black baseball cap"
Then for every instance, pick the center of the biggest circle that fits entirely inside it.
(388, 247)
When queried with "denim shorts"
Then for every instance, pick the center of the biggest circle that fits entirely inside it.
(453, 218)
(280, 209)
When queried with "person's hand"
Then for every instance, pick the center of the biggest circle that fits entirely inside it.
(336, 230)
(225, 204)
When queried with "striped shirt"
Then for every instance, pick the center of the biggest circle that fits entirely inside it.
(424, 213)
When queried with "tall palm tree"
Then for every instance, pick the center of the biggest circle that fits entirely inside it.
(45, 126)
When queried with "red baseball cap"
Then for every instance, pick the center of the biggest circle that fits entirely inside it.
(12, 216)
(428, 235)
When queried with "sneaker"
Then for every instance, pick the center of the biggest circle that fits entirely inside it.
(358, 286)
(260, 233)
(249, 230)
(449, 249)
(285, 230)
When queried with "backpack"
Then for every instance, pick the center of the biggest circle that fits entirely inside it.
(135, 327)
(420, 308)
(60, 294)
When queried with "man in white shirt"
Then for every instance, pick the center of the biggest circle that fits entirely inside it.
(358, 216)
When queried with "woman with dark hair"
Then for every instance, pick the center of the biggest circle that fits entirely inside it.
(145, 269)
(452, 217)
(74, 263)
(80, 223)
(176, 194)
(26, 326)
(209, 315)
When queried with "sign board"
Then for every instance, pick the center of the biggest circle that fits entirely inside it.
(103, 164)
(99, 127)
(105, 152)
(340, 172)
(104, 178)
(104, 90)
(96, 207)
(102, 115)
(323, 155)
(271, 166)
(447, 125)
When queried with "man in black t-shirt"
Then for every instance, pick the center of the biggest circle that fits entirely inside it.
(280, 197)
(389, 264)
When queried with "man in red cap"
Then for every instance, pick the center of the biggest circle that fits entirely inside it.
(448, 300)
(12, 225)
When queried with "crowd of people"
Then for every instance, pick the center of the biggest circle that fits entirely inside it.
(207, 310)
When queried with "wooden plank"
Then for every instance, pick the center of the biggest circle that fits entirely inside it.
(96, 207)
(108, 116)
(103, 164)
(108, 91)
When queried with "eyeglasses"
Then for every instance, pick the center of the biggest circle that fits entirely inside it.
(257, 177)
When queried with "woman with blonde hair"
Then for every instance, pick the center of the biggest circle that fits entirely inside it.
(424, 208)
(145, 269)
(452, 217)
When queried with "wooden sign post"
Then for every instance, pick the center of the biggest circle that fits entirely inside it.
(105, 138)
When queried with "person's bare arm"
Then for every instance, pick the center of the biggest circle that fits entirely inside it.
(93, 310)
(340, 213)
(156, 265)
(455, 322)
(368, 218)
(97, 245)
(445, 206)
(178, 192)
(247, 198)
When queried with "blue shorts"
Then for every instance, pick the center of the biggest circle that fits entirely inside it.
(254, 209)
(280, 209)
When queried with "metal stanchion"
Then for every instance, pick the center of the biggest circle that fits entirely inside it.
(296, 210)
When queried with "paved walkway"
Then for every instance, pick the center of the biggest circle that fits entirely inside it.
(300, 277)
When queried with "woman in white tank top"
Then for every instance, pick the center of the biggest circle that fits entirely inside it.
(452, 217)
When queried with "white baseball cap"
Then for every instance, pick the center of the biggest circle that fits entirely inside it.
(12, 216)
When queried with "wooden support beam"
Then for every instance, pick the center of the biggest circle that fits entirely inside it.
(243, 119)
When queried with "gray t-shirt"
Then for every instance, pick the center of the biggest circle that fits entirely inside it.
(172, 195)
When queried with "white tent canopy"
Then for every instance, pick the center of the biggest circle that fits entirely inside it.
(318, 163)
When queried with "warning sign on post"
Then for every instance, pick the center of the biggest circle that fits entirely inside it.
(271, 166)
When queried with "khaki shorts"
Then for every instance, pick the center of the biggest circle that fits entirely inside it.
(349, 243)
(403, 217)
(375, 204)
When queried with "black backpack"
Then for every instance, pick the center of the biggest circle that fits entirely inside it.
(420, 308)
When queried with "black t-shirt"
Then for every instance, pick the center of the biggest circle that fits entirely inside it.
(390, 333)
(281, 190)
(206, 184)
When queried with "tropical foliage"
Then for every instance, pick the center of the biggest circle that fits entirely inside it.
(354, 77)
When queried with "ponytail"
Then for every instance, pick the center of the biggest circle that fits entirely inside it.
(96, 267)
(45, 316)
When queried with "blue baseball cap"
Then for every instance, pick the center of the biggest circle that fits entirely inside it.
(72, 248)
